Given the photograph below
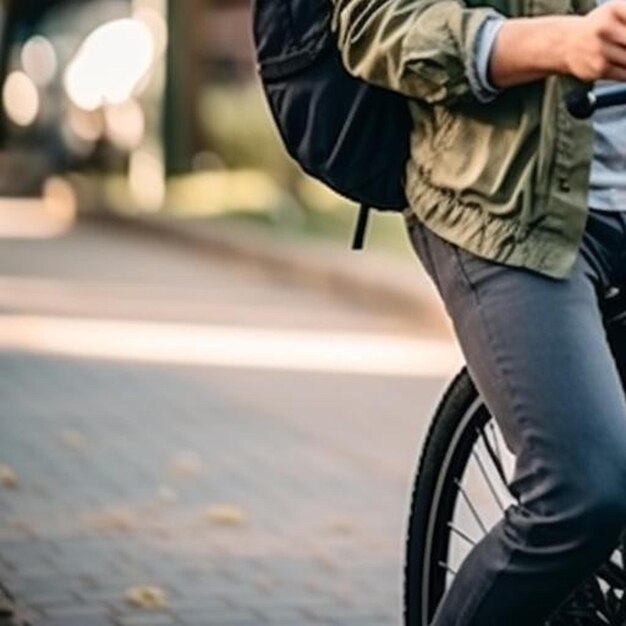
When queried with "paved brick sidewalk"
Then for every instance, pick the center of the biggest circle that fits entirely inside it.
(242, 497)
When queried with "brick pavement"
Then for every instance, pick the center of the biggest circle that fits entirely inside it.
(245, 497)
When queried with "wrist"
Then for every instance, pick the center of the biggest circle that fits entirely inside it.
(532, 48)
(566, 36)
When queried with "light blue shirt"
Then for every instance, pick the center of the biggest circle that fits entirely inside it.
(607, 178)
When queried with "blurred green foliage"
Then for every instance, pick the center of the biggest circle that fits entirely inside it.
(239, 128)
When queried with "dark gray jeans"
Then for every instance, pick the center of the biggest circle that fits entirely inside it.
(538, 353)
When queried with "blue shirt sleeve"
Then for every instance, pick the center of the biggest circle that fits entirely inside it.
(477, 71)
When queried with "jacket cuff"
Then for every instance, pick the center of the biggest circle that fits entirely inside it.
(477, 68)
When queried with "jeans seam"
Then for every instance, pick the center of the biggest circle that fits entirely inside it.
(464, 273)
(492, 344)
(506, 384)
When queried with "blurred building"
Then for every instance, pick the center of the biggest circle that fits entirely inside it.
(228, 52)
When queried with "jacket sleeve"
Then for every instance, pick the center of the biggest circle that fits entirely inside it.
(421, 48)
(479, 73)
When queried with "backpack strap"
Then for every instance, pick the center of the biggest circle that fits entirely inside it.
(361, 227)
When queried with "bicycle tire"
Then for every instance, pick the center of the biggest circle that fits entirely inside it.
(438, 464)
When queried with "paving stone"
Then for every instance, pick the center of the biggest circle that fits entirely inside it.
(146, 619)
(76, 616)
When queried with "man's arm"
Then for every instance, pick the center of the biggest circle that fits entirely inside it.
(421, 48)
(590, 47)
(428, 48)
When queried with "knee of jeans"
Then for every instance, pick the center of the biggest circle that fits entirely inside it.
(600, 505)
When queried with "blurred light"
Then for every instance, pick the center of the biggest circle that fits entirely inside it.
(82, 148)
(86, 125)
(231, 346)
(125, 124)
(157, 25)
(21, 99)
(39, 60)
(146, 180)
(29, 218)
(59, 200)
(110, 64)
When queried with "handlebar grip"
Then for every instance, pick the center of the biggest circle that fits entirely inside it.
(581, 103)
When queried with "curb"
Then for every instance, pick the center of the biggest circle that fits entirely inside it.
(367, 278)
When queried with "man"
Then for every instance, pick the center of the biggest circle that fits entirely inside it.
(518, 212)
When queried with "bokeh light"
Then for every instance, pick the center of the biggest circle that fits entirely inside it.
(146, 179)
(157, 26)
(125, 124)
(87, 126)
(39, 60)
(21, 99)
(111, 64)
(59, 199)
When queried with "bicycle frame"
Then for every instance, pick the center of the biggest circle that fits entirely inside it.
(614, 315)
(581, 104)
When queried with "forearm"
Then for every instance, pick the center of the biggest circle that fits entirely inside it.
(589, 47)
(528, 49)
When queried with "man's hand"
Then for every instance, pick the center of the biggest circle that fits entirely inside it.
(596, 46)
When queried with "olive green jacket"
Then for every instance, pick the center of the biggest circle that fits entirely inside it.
(506, 180)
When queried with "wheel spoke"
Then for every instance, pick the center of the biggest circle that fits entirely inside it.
(447, 567)
(471, 506)
(495, 456)
(460, 533)
(612, 574)
(488, 480)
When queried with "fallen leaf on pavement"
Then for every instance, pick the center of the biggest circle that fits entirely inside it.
(186, 465)
(74, 439)
(148, 597)
(8, 477)
(226, 515)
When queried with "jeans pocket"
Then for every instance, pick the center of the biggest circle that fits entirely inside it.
(465, 261)
(475, 270)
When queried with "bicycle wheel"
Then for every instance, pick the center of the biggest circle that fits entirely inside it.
(460, 492)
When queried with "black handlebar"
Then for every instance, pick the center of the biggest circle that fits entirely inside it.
(581, 103)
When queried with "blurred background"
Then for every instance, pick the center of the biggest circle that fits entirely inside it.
(211, 407)
(99, 110)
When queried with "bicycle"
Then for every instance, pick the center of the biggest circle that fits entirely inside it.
(465, 467)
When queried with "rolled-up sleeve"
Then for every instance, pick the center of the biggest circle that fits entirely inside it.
(423, 49)
(478, 69)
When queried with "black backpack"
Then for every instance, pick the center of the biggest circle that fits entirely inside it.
(351, 135)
